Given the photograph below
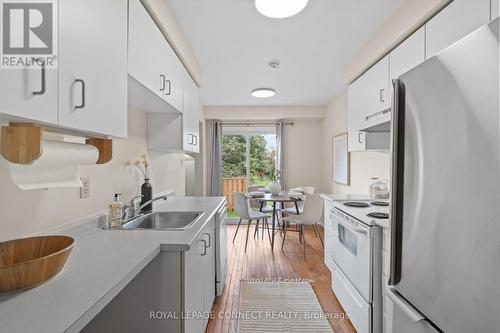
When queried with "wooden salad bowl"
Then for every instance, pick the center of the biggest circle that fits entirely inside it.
(29, 262)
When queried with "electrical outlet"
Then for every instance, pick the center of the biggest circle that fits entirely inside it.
(85, 189)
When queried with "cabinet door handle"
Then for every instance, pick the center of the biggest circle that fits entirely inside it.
(381, 95)
(359, 137)
(190, 139)
(41, 62)
(204, 247)
(81, 106)
(209, 238)
(162, 80)
(196, 139)
(169, 85)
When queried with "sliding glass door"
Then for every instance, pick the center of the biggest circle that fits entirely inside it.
(248, 159)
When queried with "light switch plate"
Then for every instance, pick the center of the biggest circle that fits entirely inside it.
(85, 189)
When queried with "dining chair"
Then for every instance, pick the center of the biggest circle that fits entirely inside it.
(313, 211)
(243, 210)
(255, 204)
(300, 206)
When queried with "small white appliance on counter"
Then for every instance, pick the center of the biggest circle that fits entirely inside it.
(220, 248)
(356, 251)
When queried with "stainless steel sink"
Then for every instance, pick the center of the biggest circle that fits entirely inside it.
(164, 221)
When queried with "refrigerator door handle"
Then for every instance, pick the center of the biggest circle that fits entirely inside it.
(397, 149)
(404, 305)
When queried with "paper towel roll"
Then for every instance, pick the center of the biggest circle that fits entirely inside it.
(56, 167)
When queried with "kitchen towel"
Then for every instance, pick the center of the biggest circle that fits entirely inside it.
(56, 167)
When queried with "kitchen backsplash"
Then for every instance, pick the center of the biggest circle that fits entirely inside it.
(27, 212)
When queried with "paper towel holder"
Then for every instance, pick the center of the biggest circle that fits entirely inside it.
(21, 143)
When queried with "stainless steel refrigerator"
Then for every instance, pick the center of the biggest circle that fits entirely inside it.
(445, 255)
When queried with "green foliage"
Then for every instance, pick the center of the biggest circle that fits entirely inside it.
(234, 160)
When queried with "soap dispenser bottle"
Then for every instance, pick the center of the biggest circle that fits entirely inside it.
(115, 213)
(146, 189)
(147, 195)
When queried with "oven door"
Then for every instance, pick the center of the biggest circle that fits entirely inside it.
(353, 251)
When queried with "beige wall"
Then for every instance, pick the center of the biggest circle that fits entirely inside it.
(28, 212)
(304, 154)
(364, 165)
(263, 112)
(304, 149)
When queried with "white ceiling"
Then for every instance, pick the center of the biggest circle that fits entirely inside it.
(234, 43)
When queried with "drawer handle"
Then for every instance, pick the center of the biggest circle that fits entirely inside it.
(81, 106)
(204, 247)
(42, 90)
(359, 137)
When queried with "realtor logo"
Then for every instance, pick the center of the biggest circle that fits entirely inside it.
(28, 32)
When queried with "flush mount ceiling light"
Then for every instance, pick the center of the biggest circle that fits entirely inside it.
(280, 8)
(263, 92)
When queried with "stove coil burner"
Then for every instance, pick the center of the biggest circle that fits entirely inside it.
(380, 203)
(356, 204)
(378, 215)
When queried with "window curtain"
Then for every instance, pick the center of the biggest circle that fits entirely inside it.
(214, 137)
(280, 154)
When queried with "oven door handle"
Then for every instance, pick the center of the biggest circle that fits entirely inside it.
(354, 228)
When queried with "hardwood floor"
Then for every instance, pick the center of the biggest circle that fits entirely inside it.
(260, 262)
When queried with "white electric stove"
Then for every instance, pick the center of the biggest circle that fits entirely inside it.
(357, 260)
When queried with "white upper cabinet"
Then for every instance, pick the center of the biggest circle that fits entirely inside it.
(458, 19)
(407, 55)
(369, 105)
(151, 60)
(355, 138)
(495, 8)
(175, 132)
(191, 115)
(29, 93)
(93, 66)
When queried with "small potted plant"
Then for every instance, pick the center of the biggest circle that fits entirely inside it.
(275, 186)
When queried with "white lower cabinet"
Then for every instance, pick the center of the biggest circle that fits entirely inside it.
(199, 281)
(174, 293)
(455, 21)
(93, 66)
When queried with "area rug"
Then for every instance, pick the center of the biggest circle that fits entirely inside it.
(280, 306)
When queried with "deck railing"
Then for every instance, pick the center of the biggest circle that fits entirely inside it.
(230, 185)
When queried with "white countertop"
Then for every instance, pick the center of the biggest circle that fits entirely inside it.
(101, 264)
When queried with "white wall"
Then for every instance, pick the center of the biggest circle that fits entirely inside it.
(28, 212)
(364, 165)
